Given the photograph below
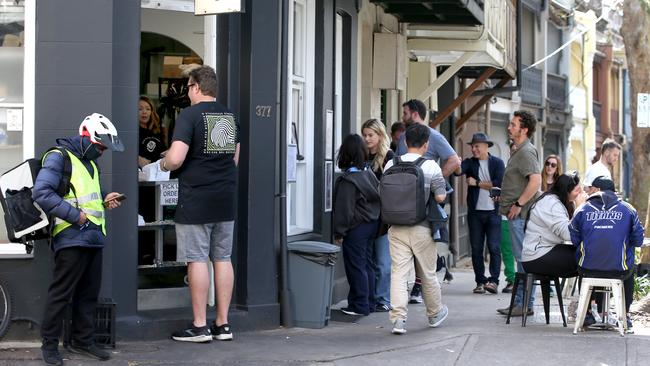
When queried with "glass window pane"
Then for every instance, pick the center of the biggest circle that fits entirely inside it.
(298, 39)
(12, 54)
(12, 60)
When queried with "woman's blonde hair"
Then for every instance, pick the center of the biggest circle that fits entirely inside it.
(558, 171)
(377, 127)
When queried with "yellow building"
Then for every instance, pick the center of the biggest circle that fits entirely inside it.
(582, 142)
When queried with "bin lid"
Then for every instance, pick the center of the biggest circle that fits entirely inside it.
(313, 247)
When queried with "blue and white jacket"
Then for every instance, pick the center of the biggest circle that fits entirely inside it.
(44, 193)
(605, 230)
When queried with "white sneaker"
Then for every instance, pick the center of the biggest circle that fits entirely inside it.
(439, 317)
(399, 326)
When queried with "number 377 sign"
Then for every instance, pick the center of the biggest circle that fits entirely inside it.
(643, 110)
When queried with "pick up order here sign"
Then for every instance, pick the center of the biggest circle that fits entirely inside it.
(168, 193)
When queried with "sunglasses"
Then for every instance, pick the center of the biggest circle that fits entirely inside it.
(551, 164)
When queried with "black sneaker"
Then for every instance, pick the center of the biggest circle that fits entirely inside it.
(193, 334)
(416, 294)
(51, 355)
(508, 288)
(448, 276)
(221, 333)
(382, 308)
(91, 351)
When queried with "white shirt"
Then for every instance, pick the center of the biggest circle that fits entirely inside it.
(484, 202)
(434, 181)
(596, 170)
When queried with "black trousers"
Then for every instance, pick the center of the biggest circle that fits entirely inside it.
(77, 278)
(560, 261)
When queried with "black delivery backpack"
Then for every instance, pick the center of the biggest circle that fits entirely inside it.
(24, 219)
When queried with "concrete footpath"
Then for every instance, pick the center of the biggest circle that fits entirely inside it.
(473, 334)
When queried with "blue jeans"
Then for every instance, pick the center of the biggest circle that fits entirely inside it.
(517, 238)
(485, 227)
(357, 260)
(382, 271)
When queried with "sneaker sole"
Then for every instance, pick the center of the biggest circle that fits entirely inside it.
(195, 339)
(348, 312)
(398, 331)
(222, 337)
(436, 324)
(88, 354)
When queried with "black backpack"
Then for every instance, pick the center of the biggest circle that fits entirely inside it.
(24, 219)
(402, 193)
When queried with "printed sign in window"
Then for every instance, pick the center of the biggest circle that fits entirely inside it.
(168, 193)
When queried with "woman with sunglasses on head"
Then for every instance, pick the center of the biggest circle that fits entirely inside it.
(550, 172)
(377, 141)
(547, 247)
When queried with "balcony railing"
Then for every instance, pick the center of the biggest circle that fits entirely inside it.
(501, 24)
(556, 91)
(531, 86)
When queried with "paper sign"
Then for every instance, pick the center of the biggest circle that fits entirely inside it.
(643, 110)
(14, 119)
(168, 193)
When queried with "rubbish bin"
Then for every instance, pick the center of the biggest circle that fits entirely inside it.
(311, 277)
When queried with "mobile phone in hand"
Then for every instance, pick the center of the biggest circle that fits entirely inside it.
(119, 198)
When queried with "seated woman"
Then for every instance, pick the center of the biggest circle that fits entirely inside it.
(547, 245)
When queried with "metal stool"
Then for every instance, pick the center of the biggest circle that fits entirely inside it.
(615, 286)
(528, 280)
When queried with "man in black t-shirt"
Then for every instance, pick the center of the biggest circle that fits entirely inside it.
(205, 153)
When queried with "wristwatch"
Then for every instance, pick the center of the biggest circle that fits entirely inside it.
(517, 204)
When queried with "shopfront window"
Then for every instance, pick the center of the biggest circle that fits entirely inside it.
(300, 118)
(16, 89)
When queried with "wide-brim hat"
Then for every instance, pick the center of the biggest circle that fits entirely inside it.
(480, 137)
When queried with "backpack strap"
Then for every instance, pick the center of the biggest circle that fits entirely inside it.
(419, 161)
(66, 174)
(396, 160)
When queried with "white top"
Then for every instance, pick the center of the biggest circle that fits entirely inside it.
(434, 181)
(596, 170)
(484, 203)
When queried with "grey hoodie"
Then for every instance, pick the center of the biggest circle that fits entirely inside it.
(547, 227)
(356, 200)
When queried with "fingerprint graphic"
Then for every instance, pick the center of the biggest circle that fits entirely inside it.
(222, 133)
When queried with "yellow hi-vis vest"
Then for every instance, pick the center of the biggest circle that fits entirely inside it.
(87, 195)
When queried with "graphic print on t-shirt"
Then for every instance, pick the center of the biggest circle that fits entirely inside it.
(221, 133)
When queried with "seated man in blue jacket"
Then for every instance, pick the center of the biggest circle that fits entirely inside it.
(606, 230)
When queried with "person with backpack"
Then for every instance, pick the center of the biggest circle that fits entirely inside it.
(406, 189)
(355, 221)
(78, 234)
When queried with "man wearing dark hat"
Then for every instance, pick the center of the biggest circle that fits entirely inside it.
(483, 172)
(606, 230)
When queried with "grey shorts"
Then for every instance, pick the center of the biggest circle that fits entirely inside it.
(197, 243)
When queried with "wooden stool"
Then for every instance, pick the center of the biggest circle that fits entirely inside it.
(615, 286)
(528, 280)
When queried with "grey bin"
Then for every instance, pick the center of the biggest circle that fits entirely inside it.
(311, 278)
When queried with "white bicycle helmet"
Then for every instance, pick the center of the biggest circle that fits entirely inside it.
(101, 131)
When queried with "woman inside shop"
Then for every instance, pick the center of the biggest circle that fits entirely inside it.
(355, 223)
(377, 142)
(547, 245)
(550, 172)
(152, 141)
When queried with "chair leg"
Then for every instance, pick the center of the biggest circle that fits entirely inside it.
(546, 297)
(585, 295)
(558, 289)
(619, 298)
(512, 298)
(528, 288)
